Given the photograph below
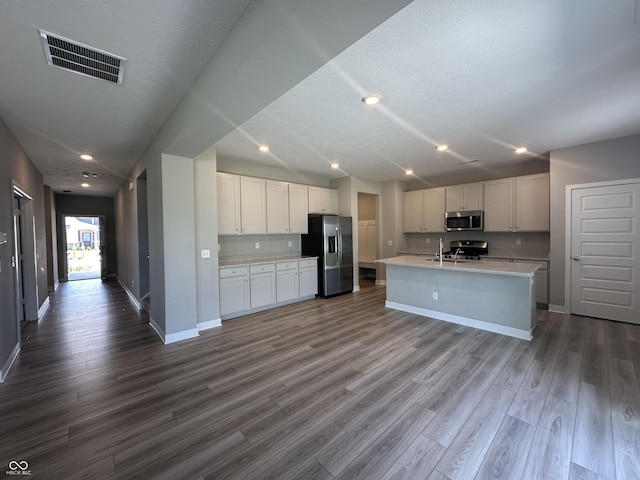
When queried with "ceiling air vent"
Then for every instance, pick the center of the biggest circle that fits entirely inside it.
(75, 57)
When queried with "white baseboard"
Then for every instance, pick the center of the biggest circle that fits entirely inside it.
(173, 337)
(381, 282)
(467, 322)
(558, 308)
(356, 288)
(180, 336)
(131, 296)
(210, 324)
(9, 363)
(43, 307)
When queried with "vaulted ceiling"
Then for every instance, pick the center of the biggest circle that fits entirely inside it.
(481, 77)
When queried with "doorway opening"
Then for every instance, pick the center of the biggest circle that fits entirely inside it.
(24, 258)
(85, 247)
(367, 238)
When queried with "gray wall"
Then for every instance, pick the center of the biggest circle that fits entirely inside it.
(86, 206)
(16, 167)
(614, 159)
(51, 238)
(263, 56)
(481, 173)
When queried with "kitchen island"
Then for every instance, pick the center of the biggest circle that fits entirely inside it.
(489, 295)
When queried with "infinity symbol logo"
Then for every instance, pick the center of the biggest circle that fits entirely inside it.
(23, 465)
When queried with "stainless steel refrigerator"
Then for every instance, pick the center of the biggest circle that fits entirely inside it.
(330, 238)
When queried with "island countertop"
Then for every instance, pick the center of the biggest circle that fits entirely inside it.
(476, 266)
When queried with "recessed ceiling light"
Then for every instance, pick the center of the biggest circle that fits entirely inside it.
(85, 185)
(335, 165)
(442, 148)
(95, 175)
(263, 148)
(85, 156)
(408, 172)
(371, 99)
(521, 150)
(85, 174)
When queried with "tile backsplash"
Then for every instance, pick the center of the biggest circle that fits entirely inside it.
(534, 243)
(243, 247)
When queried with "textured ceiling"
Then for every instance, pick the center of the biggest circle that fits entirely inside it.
(482, 77)
(55, 115)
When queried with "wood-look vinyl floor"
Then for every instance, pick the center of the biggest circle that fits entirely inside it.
(339, 388)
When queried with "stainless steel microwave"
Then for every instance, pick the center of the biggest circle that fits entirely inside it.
(465, 220)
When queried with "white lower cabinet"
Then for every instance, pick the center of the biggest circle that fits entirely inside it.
(287, 287)
(234, 290)
(263, 285)
(248, 288)
(308, 277)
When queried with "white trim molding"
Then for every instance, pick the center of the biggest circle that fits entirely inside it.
(9, 363)
(558, 308)
(43, 307)
(467, 322)
(210, 324)
(173, 337)
(130, 294)
(381, 282)
(568, 222)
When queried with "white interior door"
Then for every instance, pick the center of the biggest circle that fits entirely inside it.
(605, 239)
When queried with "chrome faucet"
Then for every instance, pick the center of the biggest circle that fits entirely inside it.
(440, 252)
(455, 257)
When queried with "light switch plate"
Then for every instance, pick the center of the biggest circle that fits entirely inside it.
(257, 244)
(205, 253)
(390, 242)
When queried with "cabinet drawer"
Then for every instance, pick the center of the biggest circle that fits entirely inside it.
(267, 267)
(311, 262)
(287, 265)
(233, 272)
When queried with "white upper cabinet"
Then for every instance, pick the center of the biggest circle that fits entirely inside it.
(519, 204)
(287, 207)
(433, 210)
(253, 206)
(532, 203)
(228, 204)
(323, 200)
(298, 208)
(424, 210)
(465, 197)
(250, 206)
(277, 207)
(499, 205)
(413, 216)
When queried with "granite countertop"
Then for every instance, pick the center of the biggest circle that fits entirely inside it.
(260, 261)
(476, 266)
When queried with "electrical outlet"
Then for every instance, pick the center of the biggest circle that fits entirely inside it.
(390, 243)
(218, 247)
(205, 253)
(434, 295)
(257, 244)
(428, 240)
(518, 241)
(290, 243)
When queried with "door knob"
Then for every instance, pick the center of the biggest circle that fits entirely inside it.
(576, 257)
